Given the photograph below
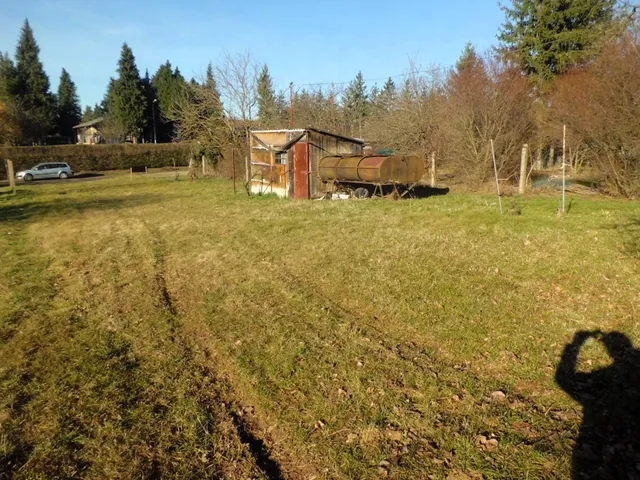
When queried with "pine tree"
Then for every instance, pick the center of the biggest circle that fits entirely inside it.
(549, 36)
(150, 133)
(216, 109)
(170, 87)
(107, 104)
(129, 103)
(8, 77)
(468, 80)
(89, 114)
(267, 101)
(389, 95)
(33, 88)
(69, 111)
(10, 123)
(356, 104)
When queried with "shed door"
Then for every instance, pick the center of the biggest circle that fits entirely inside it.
(301, 170)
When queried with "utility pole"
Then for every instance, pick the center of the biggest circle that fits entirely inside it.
(153, 113)
(291, 105)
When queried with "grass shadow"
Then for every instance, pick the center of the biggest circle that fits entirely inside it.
(608, 445)
(630, 233)
(425, 191)
(63, 205)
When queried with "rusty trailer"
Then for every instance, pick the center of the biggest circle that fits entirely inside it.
(367, 175)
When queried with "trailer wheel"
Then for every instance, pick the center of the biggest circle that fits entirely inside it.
(361, 192)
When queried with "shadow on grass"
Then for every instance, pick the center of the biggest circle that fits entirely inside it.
(630, 233)
(608, 446)
(424, 191)
(62, 205)
(418, 191)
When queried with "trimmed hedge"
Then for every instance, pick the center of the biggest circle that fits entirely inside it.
(99, 157)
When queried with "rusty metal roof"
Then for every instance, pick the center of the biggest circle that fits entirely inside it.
(359, 141)
(303, 131)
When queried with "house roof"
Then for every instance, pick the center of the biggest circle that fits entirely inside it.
(90, 123)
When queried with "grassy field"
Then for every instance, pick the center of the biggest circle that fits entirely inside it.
(169, 329)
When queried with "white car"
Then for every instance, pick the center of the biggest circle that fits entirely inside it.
(46, 170)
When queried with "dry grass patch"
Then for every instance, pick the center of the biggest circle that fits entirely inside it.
(170, 328)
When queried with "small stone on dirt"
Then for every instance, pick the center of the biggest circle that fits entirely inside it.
(486, 444)
(498, 396)
(491, 444)
(383, 472)
(383, 468)
(561, 416)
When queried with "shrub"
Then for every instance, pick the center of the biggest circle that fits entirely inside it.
(99, 157)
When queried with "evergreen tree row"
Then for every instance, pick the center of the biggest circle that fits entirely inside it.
(543, 39)
(29, 111)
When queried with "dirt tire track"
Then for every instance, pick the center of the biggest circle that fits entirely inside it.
(413, 354)
(258, 448)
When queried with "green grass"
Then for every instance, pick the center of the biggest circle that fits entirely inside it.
(169, 328)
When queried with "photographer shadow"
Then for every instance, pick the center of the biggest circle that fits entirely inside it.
(608, 446)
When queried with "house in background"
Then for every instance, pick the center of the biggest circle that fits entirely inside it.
(285, 162)
(88, 133)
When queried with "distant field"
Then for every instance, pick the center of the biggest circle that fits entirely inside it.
(169, 329)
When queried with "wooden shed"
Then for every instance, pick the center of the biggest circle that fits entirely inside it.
(285, 162)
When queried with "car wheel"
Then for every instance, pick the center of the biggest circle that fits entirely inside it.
(28, 177)
(63, 175)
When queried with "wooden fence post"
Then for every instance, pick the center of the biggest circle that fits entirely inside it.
(552, 157)
(433, 169)
(564, 166)
(233, 168)
(523, 169)
(12, 176)
(204, 170)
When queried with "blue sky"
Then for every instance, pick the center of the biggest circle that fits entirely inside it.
(324, 41)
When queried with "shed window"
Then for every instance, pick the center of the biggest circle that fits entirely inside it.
(281, 158)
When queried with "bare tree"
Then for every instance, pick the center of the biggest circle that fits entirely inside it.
(237, 77)
(407, 121)
(485, 99)
(600, 105)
